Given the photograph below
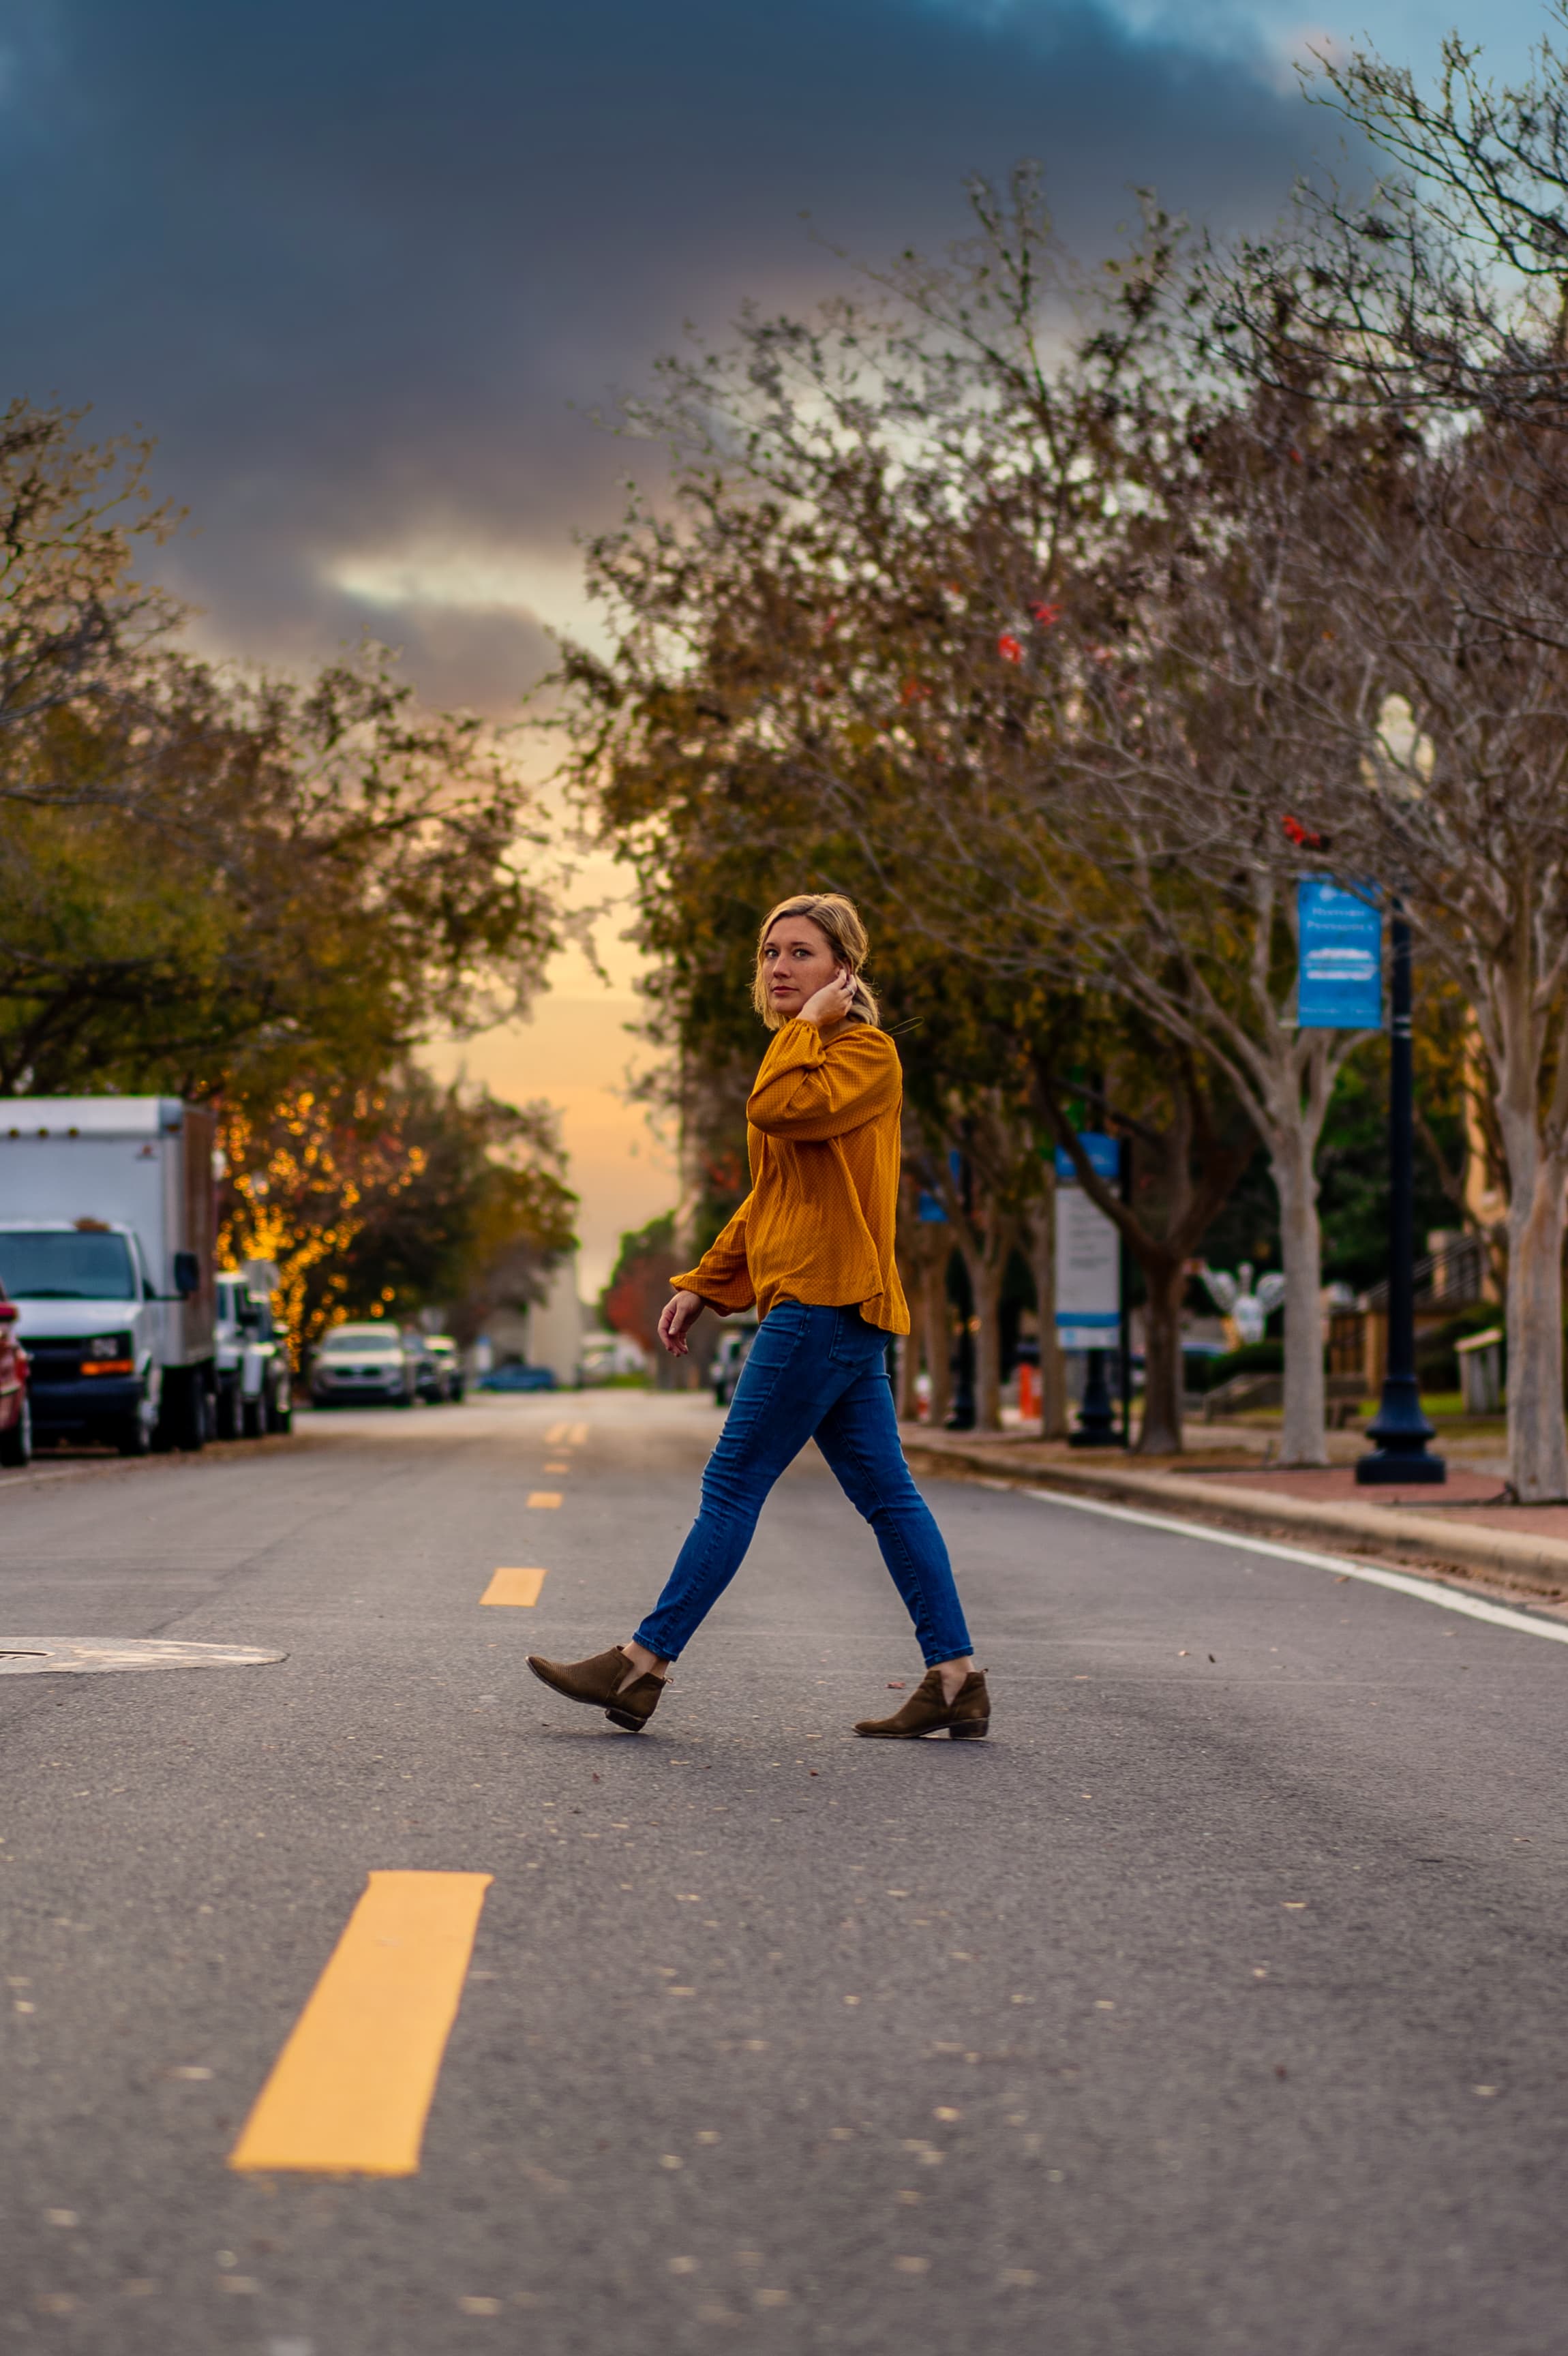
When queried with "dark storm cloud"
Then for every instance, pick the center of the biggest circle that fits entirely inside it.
(351, 260)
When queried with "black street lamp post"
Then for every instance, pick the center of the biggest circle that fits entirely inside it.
(1401, 1430)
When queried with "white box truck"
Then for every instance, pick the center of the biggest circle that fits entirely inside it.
(108, 1220)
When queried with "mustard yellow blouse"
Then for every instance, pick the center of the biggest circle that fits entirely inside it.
(822, 1134)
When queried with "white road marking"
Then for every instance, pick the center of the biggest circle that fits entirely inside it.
(1426, 1590)
(25, 1656)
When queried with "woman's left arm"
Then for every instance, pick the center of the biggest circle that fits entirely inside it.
(810, 1087)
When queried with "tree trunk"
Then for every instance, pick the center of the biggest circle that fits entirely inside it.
(1538, 1451)
(986, 1269)
(939, 1346)
(1160, 1432)
(1292, 1155)
(910, 1350)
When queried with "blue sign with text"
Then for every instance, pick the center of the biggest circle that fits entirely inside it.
(1341, 982)
(1103, 1155)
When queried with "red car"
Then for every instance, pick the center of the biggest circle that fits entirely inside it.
(16, 1414)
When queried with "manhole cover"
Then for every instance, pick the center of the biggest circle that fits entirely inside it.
(31, 1657)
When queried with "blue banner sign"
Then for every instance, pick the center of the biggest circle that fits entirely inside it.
(928, 1208)
(1341, 983)
(1101, 1153)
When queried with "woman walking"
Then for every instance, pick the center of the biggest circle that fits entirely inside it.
(812, 1247)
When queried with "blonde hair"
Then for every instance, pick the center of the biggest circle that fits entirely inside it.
(838, 920)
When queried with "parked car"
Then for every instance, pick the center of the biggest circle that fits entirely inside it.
(364, 1366)
(255, 1384)
(429, 1375)
(515, 1377)
(734, 1349)
(449, 1364)
(16, 1409)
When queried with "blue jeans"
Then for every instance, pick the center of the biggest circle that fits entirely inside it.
(819, 1373)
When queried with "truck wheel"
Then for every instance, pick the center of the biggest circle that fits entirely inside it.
(132, 1438)
(16, 1445)
(226, 1418)
(280, 1408)
(253, 1418)
(183, 1423)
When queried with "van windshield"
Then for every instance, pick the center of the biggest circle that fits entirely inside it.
(41, 1264)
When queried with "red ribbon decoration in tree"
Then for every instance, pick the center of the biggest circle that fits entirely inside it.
(1008, 648)
(1046, 615)
(1302, 836)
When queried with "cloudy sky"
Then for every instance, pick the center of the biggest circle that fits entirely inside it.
(353, 262)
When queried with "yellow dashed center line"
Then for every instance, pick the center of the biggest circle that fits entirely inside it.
(352, 2089)
(519, 1586)
(547, 1498)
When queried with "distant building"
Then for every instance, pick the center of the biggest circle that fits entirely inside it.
(549, 1333)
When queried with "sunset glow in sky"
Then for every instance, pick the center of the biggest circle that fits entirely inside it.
(364, 267)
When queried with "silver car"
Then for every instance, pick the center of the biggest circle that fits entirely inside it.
(364, 1366)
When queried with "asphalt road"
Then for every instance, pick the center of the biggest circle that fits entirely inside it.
(1215, 2004)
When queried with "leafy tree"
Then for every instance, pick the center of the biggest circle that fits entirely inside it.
(383, 1201)
(1435, 312)
(210, 878)
(638, 1287)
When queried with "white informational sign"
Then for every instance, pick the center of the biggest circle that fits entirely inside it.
(1089, 1259)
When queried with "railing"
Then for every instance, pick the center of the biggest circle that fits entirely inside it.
(1450, 1279)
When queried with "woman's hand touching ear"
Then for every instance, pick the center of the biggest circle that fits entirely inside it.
(831, 1003)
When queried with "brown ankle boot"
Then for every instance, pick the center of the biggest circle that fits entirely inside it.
(926, 1712)
(601, 1682)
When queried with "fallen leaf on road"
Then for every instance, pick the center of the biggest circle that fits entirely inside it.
(912, 2265)
(1293, 1905)
(479, 2306)
(1483, 2090)
(895, 1684)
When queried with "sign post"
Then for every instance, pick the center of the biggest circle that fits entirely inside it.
(1089, 1284)
(1341, 988)
(1400, 1428)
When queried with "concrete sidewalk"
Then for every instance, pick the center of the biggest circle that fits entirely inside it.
(1466, 1527)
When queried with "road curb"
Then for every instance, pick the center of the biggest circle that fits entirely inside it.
(1540, 1564)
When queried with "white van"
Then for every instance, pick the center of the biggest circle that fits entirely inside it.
(107, 1217)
